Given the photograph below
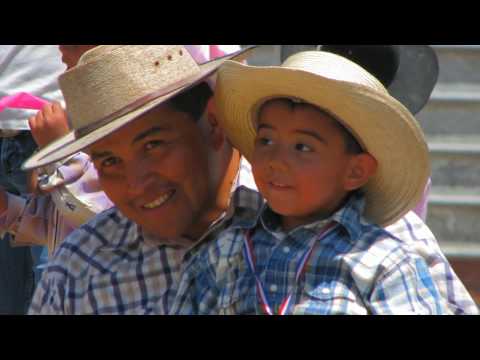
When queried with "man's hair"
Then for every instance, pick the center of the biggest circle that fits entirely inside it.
(193, 101)
(352, 146)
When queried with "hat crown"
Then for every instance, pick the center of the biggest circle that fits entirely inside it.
(334, 67)
(109, 78)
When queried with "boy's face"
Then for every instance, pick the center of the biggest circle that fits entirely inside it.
(300, 163)
(155, 170)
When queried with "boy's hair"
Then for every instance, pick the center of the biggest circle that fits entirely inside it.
(193, 101)
(352, 146)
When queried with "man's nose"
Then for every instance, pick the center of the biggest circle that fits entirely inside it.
(138, 179)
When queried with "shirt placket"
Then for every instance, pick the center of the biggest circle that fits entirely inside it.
(281, 261)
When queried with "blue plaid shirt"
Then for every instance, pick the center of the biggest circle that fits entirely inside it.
(109, 266)
(357, 268)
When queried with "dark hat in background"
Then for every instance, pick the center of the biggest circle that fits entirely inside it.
(409, 72)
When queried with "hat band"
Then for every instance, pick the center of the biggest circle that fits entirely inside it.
(135, 105)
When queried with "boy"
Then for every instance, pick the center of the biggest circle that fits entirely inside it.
(319, 132)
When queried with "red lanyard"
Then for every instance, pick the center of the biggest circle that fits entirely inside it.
(249, 254)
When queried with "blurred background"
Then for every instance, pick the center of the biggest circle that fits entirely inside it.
(451, 122)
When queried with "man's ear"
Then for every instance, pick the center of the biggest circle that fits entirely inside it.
(216, 134)
(362, 167)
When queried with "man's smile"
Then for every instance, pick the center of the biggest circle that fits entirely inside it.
(159, 201)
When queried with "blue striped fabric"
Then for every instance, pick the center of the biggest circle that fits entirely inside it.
(358, 268)
(90, 275)
(109, 266)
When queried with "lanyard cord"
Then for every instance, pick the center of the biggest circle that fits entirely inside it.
(250, 256)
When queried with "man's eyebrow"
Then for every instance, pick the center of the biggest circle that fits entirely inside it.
(149, 132)
(312, 134)
(264, 126)
(98, 155)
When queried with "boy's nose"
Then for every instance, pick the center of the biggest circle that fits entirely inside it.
(278, 160)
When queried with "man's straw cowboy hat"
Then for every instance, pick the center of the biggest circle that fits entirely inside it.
(114, 84)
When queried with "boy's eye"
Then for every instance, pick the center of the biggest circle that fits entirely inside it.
(153, 144)
(111, 161)
(303, 148)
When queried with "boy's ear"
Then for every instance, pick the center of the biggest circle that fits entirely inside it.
(362, 168)
(217, 136)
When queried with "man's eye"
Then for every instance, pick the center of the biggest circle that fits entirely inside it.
(263, 141)
(111, 161)
(303, 148)
(153, 144)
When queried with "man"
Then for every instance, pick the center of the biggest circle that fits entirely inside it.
(153, 166)
(149, 125)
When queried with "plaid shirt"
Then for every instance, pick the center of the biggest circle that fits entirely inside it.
(357, 268)
(109, 266)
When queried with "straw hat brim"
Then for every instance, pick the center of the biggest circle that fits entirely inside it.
(76, 141)
(383, 126)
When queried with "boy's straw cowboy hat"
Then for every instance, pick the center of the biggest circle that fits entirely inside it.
(114, 84)
(381, 124)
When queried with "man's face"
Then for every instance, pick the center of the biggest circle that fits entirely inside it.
(155, 170)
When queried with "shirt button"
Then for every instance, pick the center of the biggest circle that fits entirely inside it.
(286, 249)
(273, 288)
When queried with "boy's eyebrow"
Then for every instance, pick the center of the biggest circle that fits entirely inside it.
(149, 132)
(312, 134)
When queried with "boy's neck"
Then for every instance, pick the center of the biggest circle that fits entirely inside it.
(291, 222)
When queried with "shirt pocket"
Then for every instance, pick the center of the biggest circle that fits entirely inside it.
(329, 298)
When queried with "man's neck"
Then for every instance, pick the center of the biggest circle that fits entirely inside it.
(220, 203)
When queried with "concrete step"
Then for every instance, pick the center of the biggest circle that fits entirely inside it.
(452, 110)
(453, 216)
(458, 63)
(455, 161)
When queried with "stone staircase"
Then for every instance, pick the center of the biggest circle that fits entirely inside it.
(451, 121)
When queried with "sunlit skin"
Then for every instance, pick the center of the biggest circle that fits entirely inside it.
(301, 165)
(156, 169)
(72, 53)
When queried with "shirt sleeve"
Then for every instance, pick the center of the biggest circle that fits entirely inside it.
(74, 197)
(28, 219)
(73, 184)
(407, 288)
(412, 230)
(49, 296)
(422, 207)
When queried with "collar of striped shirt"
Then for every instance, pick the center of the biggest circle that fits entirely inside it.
(247, 208)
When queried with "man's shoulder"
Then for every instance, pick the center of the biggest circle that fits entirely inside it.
(220, 253)
(410, 227)
(83, 247)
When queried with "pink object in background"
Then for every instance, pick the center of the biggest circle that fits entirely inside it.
(22, 100)
(204, 53)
